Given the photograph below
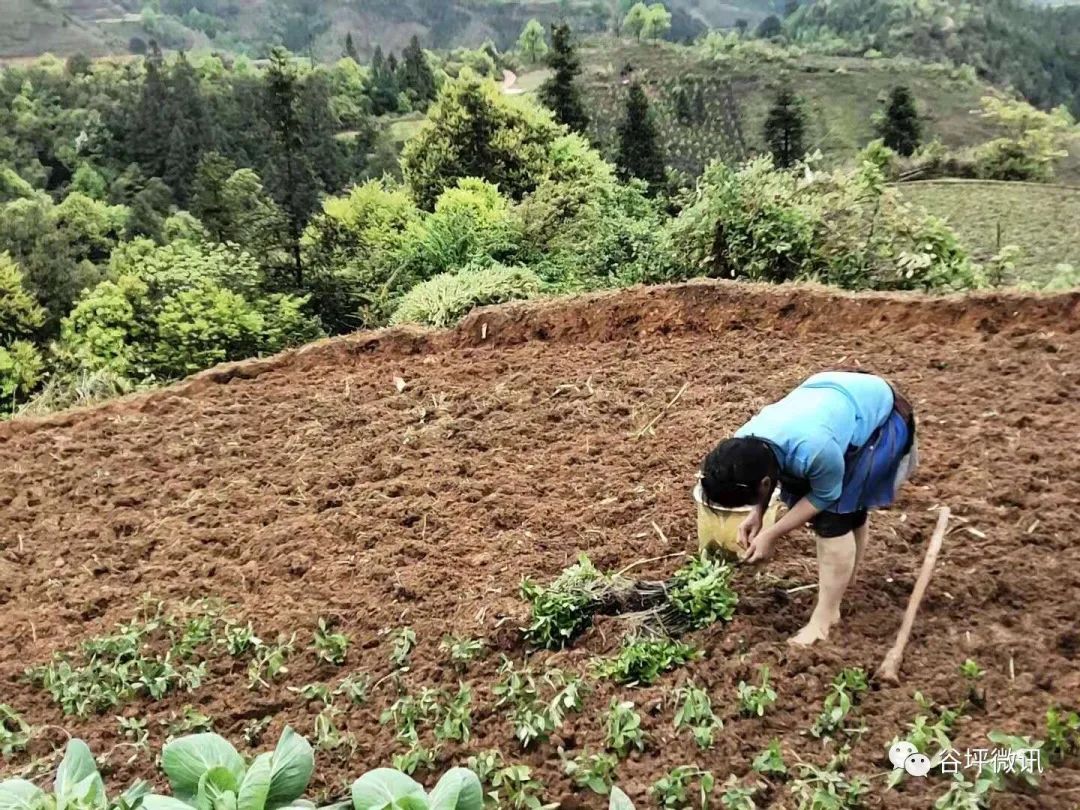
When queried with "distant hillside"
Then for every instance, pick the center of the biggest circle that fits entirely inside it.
(98, 27)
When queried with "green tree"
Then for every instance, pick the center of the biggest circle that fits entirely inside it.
(770, 27)
(1032, 141)
(382, 84)
(294, 184)
(350, 48)
(532, 44)
(473, 130)
(785, 128)
(352, 250)
(417, 77)
(88, 180)
(639, 152)
(635, 20)
(560, 93)
(683, 112)
(20, 315)
(657, 22)
(899, 127)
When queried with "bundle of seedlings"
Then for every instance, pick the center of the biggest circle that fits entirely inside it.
(562, 610)
(695, 596)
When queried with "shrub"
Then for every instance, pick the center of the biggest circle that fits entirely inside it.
(351, 253)
(845, 227)
(447, 298)
(20, 313)
(473, 130)
(471, 223)
(21, 367)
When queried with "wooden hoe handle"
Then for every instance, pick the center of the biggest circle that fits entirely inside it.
(889, 671)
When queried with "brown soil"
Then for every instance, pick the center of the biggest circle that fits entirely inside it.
(307, 485)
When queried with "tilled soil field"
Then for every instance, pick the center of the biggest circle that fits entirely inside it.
(412, 478)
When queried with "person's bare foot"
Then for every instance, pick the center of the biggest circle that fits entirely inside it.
(815, 631)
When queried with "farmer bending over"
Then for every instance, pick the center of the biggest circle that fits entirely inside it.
(840, 444)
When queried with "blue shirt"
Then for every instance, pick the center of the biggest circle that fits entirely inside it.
(812, 428)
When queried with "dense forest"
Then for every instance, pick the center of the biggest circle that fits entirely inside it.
(162, 214)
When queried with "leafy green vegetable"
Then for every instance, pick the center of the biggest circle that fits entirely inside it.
(388, 789)
(622, 726)
(756, 699)
(77, 785)
(205, 771)
(694, 711)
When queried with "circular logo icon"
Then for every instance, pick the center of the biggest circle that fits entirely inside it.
(917, 765)
(900, 751)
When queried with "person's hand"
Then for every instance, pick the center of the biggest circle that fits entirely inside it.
(760, 549)
(749, 528)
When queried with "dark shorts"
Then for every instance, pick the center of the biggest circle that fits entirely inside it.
(824, 524)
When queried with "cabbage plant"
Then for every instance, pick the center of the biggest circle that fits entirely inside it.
(206, 773)
(77, 786)
(389, 789)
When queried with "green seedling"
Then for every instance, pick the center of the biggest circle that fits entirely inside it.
(314, 691)
(622, 728)
(827, 788)
(569, 696)
(462, 650)
(268, 663)
(1062, 733)
(240, 639)
(965, 795)
(456, 717)
(404, 640)
(737, 797)
(514, 787)
(700, 594)
(410, 714)
(417, 758)
(843, 695)
(328, 737)
(643, 661)
(254, 730)
(1028, 753)
(485, 764)
(354, 688)
(770, 762)
(134, 729)
(189, 720)
(330, 647)
(755, 700)
(533, 720)
(675, 789)
(15, 733)
(593, 771)
(973, 673)
(694, 711)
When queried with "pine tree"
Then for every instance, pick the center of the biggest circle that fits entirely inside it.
(293, 182)
(639, 152)
(150, 127)
(190, 131)
(382, 84)
(418, 79)
(560, 93)
(350, 48)
(900, 127)
(208, 201)
(785, 127)
(699, 103)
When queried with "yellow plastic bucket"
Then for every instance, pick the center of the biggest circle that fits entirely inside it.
(718, 529)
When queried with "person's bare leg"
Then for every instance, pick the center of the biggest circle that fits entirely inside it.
(836, 562)
(861, 535)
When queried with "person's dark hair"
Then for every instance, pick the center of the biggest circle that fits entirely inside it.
(732, 473)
